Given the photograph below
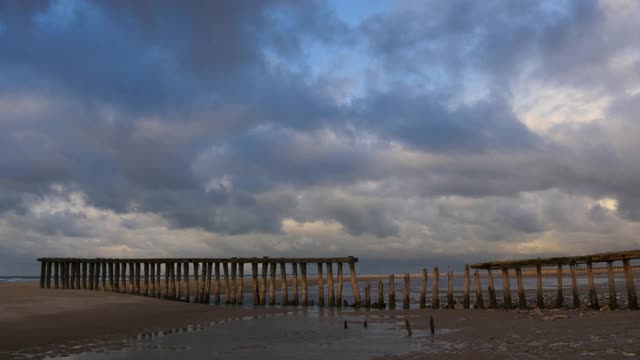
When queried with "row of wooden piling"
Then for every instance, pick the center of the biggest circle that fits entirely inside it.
(111, 275)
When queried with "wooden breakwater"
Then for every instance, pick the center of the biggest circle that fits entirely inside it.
(145, 278)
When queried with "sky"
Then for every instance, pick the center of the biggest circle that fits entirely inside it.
(409, 133)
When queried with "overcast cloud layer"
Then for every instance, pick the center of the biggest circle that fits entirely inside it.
(421, 132)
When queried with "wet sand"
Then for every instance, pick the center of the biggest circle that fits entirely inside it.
(41, 319)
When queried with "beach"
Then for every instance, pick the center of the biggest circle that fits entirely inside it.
(99, 325)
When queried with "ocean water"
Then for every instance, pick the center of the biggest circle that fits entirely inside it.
(18, 279)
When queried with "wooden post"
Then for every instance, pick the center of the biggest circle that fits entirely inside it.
(146, 279)
(56, 274)
(152, 279)
(380, 295)
(92, 276)
(367, 294)
(263, 284)
(187, 294)
(179, 281)
(47, 280)
(451, 302)
(332, 299)
(132, 281)
(234, 284)
(479, 299)
(240, 283)
(96, 285)
(423, 290)
(392, 292)
(137, 267)
(593, 297)
(207, 292)
(283, 284)
(467, 285)
(196, 298)
(506, 288)
(522, 299)
(123, 277)
(405, 292)
(354, 284)
(159, 280)
(631, 288)
(104, 276)
(493, 303)
(294, 282)
(560, 298)
(111, 265)
(216, 284)
(320, 286)
(77, 275)
(539, 296)
(272, 284)
(340, 285)
(574, 286)
(203, 283)
(227, 287)
(84, 275)
(613, 302)
(43, 266)
(303, 273)
(167, 276)
(435, 284)
(73, 276)
(254, 283)
(174, 293)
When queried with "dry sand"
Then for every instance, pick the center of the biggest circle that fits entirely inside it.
(33, 317)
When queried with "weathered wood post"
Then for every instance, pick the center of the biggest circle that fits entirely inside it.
(254, 283)
(205, 283)
(283, 284)
(123, 270)
(435, 297)
(303, 274)
(216, 284)
(159, 280)
(423, 290)
(263, 284)
(77, 275)
(96, 282)
(272, 284)
(451, 302)
(47, 281)
(392, 292)
(574, 286)
(340, 285)
(234, 283)
(522, 299)
(560, 298)
(84, 275)
(186, 281)
(631, 288)
(92, 276)
(320, 286)
(294, 282)
(137, 265)
(152, 279)
(56, 274)
(593, 297)
(613, 302)
(493, 303)
(539, 295)
(380, 295)
(506, 288)
(43, 266)
(240, 299)
(132, 281)
(332, 299)
(172, 268)
(73, 275)
(111, 265)
(179, 280)
(467, 286)
(196, 279)
(146, 279)
(167, 277)
(104, 276)
(405, 293)
(207, 292)
(479, 299)
(367, 294)
(354, 282)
